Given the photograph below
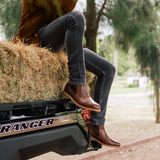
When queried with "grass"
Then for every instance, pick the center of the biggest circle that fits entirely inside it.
(124, 90)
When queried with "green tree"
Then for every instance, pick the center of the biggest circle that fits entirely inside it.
(125, 61)
(136, 24)
(10, 11)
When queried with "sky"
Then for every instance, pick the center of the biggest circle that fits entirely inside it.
(2, 36)
(81, 4)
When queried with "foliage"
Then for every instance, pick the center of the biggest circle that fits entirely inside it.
(149, 57)
(132, 85)
(10, 11)
(123, 83)
(137, 24)
(133, 22)
(125, 61)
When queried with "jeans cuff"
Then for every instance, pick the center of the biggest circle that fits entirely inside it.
(97, 123)
(77, 83)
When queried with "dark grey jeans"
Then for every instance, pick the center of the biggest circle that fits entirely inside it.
(68, 31)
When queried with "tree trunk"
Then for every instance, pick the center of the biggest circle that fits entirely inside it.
(91, 27)
(91, 34)
(157, 104)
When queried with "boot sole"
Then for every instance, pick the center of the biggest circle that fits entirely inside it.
(107, 145)
(68, 96)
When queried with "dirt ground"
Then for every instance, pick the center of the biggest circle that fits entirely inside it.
(125, 124)
(148, 151)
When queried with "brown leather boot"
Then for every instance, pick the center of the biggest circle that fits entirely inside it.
(99, 134)
(79, 95)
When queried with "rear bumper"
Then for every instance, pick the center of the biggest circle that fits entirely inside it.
(65, 140)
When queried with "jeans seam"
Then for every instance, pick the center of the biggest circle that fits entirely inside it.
(77, 48)
(97, 117)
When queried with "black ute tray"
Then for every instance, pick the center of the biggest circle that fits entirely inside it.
(10, 106)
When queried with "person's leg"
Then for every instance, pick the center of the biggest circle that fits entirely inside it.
(104, 71)
(68, 30)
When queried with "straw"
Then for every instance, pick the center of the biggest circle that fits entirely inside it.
(30, 73)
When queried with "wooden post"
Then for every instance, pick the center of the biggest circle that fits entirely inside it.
(157, 104)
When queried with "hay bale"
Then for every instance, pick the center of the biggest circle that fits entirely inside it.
(30, 73)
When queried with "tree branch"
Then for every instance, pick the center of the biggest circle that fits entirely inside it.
(106, 15)
(100, 13)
